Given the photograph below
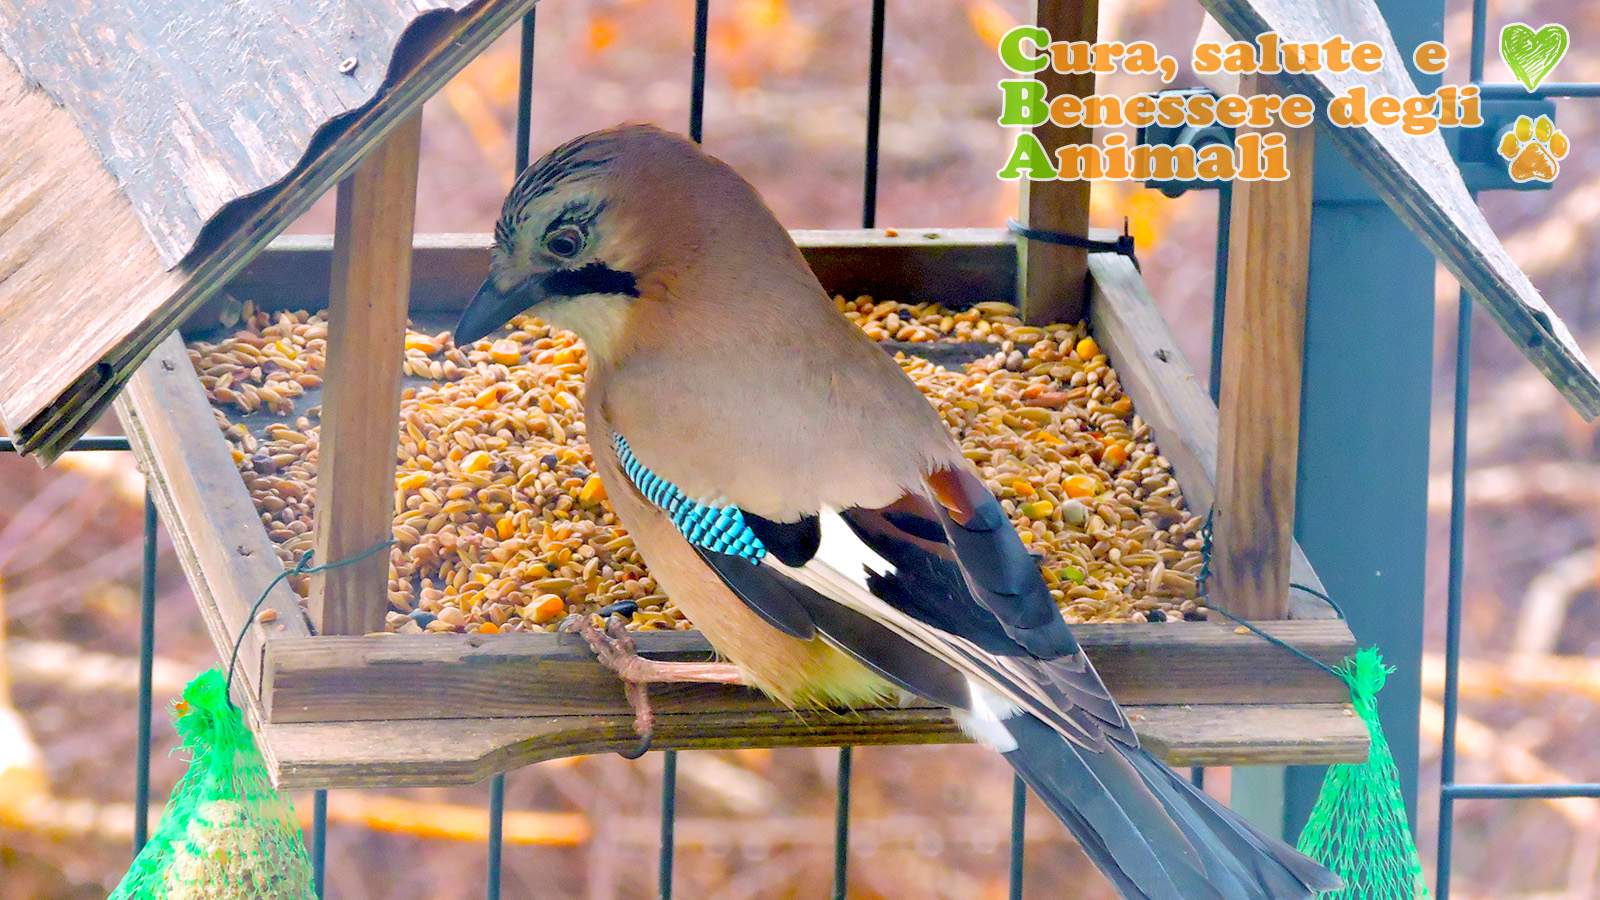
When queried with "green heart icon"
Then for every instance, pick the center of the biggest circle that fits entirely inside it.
(1530, 54)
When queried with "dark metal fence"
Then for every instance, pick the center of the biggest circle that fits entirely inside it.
(1450, 789)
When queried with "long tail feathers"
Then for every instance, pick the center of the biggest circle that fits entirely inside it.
(1150, 831)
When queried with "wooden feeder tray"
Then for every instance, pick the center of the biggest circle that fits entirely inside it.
(396, 710)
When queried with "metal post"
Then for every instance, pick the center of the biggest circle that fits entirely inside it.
(319, 841)
(1019, 827)
(669, 820)
(841, 827)
(147, 643)
(497, 815)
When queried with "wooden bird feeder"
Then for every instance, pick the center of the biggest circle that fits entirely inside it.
(334, 708)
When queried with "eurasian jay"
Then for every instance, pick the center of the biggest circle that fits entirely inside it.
(806, 508)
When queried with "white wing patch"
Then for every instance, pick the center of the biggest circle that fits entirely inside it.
(985, 722)
(843, 551)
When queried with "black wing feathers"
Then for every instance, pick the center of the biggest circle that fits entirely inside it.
(772, 596)
(793, 543)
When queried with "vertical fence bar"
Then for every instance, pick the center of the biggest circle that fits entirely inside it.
(147, 641)
(1452, 638)
(1219, 286)
(524, 150)
(869, 219)
(525, 93)
(497, 815)
(669, 819)
(669, 758)
(869, 189)
(1019, 827)
(697, 75)
(841, 826)
(319, 841)
(1458, 527)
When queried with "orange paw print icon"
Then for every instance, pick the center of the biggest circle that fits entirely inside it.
(1535, 148)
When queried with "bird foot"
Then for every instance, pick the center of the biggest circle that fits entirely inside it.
(614, 648)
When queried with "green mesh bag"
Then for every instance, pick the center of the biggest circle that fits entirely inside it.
(1358, 827)
(226, 833)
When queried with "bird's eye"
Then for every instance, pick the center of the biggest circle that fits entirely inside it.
(564, 242)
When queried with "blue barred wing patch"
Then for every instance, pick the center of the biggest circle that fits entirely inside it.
(721, 529)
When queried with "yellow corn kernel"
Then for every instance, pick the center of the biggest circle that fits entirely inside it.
(505, 352)
(1115, 454)
(487, 397)
(415, 341)
(476, 461)
(545, 608)
(593, 491)
(488, 628)
(1087, 349)
(1038, 509)
(411, 481)
(505, 528)
(1080, 486)
(1022, 488)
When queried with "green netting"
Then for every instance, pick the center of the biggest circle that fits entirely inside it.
(1358, 828)
(226, 833)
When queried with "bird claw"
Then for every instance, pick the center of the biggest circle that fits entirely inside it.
(614, 648)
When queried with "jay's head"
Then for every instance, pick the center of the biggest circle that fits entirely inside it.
(610, 223)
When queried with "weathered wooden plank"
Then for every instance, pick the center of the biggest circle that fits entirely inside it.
(1254, 735)
(225, 97)
(368, 301)
(1263, 347)
(465, 751)
(1418, 179)
(66, 234)
(129, 314)
(215, 531)
(1167, 394)
(324, 679)
(1053, 278)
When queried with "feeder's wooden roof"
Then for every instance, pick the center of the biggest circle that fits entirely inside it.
(154, 146)
(189, 133)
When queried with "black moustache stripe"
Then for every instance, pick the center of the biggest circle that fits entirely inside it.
(594, 278)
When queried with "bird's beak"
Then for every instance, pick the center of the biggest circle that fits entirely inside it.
(490, 308)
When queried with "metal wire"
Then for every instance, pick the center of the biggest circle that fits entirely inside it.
(88, 442)
(1550, 90)
(319, 841)
(1019, 823)
(147, 645)
(497, 815)
(669, 819)
(697, 76)
(1521, 791)
(841, 826)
